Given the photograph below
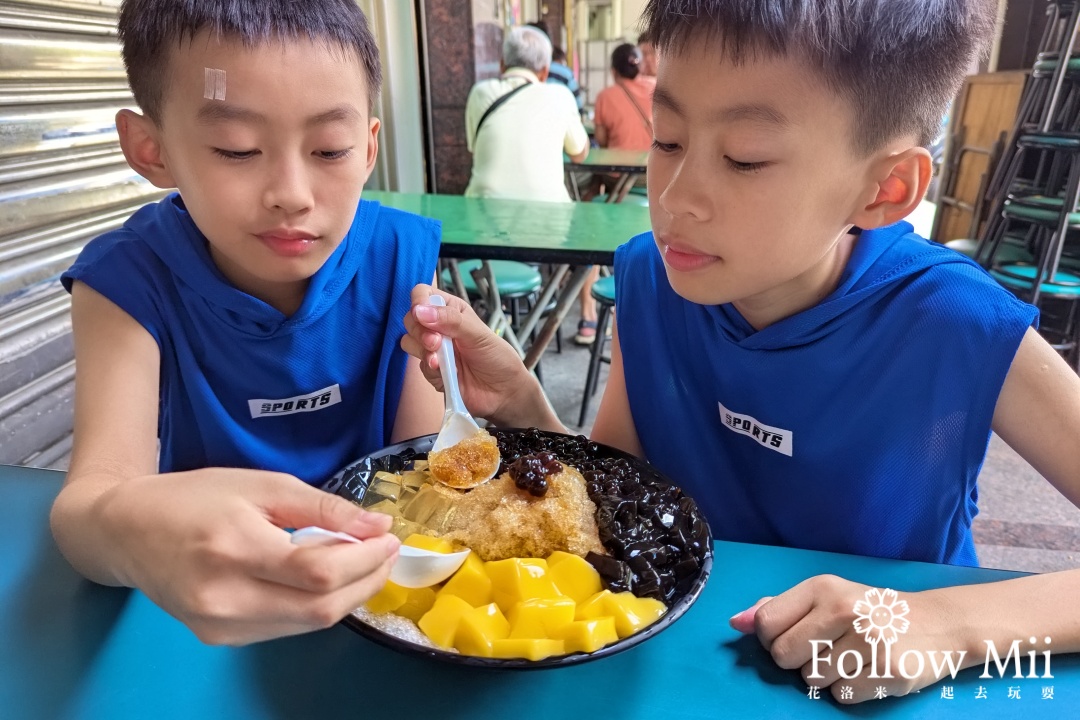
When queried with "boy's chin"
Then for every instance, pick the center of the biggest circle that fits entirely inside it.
(700, 290)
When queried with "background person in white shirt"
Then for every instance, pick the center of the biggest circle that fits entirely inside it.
(518, 151)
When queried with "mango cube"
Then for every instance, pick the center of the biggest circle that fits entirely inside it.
(470, 582)
(440, 623)
(419, 601)
(427, 542)
(518, 579)
(573, 576)
(479, 628)
(588, 635)
(540, 618)
(530, 649)
(389, 599)
(632, 613)
(593, 607)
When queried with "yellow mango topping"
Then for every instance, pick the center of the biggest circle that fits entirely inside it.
(530, 649)
(520, 608)
(631, 613)
(593, 607)
(440, 623)
(479, 628)
(573, 576)
(427, 542)
(470, 583)
(588, 635)
(419, 601)
(540, 618)
(389, 599)
(518, 579)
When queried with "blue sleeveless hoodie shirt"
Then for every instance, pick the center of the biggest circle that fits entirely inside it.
(242, 385)
(856, 426)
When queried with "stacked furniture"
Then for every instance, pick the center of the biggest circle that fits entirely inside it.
(1032, 240)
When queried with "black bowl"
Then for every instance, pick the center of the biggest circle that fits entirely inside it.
(352, 481)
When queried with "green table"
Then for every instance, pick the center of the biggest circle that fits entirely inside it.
(71, 649)
(564, 234)
(627, 164)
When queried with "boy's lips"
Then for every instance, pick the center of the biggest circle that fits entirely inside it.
(288, 242)
(683, 258)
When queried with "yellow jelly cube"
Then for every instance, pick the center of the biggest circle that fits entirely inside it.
(440, 623)
(535, 649)
(419, 601)
(518, 579)
(479, 628)
(427, 542)
(557, 557)
(540, 618)
(632, 613)
(588, 635)
(389, 599)
(470, 582)
(593, 607)
(574, 576)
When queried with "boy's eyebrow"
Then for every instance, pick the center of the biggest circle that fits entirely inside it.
(337, 114)
(735, 113)
(218, 111)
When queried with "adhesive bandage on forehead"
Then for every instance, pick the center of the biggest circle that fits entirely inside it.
(213, 84)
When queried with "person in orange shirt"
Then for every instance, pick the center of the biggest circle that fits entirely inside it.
(624, 110)
(623, 117)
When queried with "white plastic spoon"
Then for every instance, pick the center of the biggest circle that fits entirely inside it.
(458, 424)
(415, 567)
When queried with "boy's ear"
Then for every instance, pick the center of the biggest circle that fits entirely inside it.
(140, 140)
(898, 184)
(372, 146)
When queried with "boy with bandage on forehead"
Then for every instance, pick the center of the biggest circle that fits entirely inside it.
(237, 342)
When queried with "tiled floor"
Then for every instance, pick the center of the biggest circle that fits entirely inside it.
(1023, 524)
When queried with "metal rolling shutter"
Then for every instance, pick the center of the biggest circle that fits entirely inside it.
(63, 180)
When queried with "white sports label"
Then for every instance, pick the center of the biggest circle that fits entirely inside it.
(773, 438)
(317, 400)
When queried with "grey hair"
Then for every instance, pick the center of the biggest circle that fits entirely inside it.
(527, 47)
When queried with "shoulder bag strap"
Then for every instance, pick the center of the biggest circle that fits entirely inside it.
(644, 119)
(499, 103)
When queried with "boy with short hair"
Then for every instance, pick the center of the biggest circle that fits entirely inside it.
(788, 351)
(248, 322)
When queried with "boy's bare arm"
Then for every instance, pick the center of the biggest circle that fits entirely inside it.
(116, 405)
(205, 545)
(420, 408)
(1038, 414)
(614, 424)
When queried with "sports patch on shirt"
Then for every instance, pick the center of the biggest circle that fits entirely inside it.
(317, 400)
(768, 436)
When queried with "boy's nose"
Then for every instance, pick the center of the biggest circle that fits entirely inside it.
(686, 191)
(288, 188)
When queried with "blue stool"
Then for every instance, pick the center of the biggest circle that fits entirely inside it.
(603, 291)
(516, 281)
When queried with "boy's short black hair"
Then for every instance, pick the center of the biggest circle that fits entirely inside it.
(149, 28)
(899, 63)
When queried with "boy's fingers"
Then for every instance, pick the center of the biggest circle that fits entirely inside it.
(294, 503)
(744, 621)
(326, 569)
(775, 617)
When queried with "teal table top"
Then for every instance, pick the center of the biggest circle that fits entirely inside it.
(612, 161)
(525, 230)
(72, 649)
